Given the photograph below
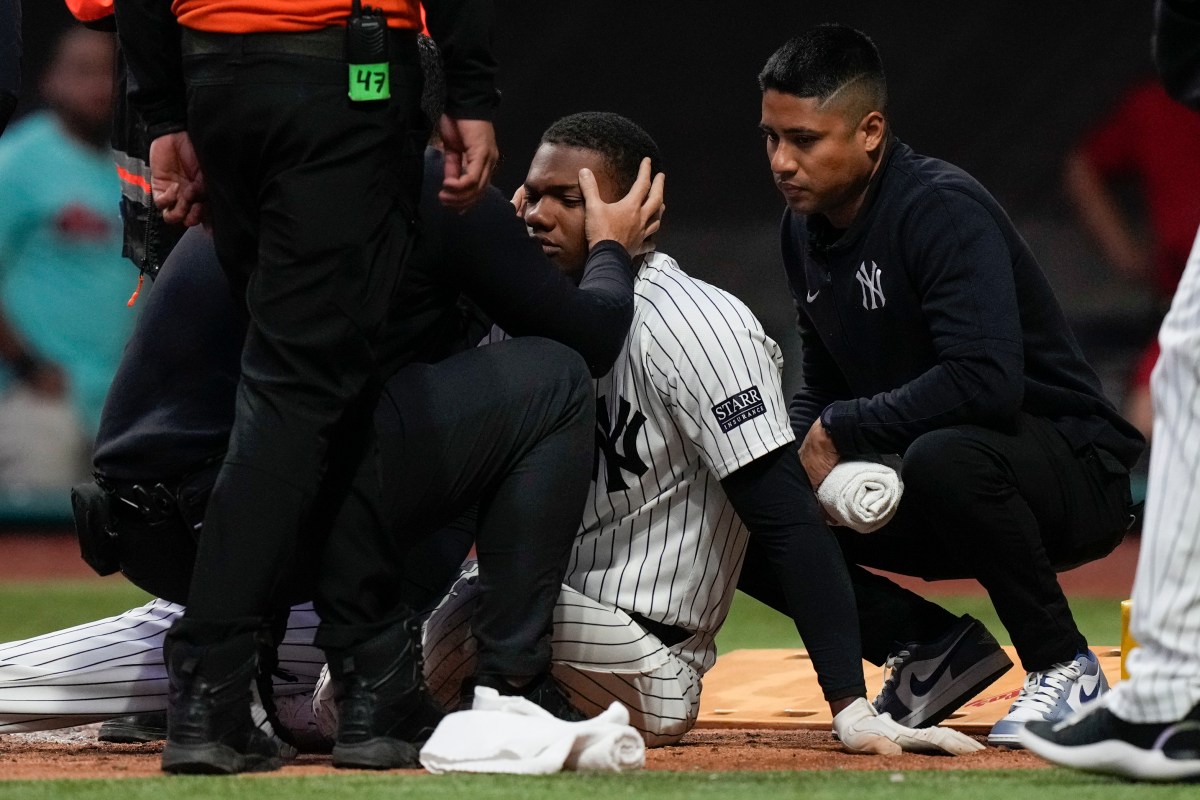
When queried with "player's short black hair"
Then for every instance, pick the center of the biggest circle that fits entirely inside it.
(824, 61)
(621, 141)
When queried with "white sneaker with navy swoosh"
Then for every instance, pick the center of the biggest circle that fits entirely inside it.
(1051, 695)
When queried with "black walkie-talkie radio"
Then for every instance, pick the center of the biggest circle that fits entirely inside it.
(367, 53)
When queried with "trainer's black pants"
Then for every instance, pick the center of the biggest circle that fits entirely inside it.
(509, 426)
(1007, 509)
(311, 198)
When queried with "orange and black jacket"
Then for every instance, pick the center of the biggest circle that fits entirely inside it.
(149, 32)
(147, 238)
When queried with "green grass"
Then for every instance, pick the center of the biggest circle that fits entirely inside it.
(31, 608)
(830, 785)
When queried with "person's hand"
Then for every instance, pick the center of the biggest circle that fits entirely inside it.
(518, 201)
(176, 181)
(471, 155)
(818, 453)
(633, 220)
(863, 730)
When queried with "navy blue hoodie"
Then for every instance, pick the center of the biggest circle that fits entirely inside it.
(931, 311)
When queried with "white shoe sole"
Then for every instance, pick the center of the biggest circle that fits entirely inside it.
(1114, 757)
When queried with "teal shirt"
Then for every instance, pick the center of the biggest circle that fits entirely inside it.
(63, 281)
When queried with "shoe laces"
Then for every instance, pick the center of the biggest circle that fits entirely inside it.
(1042, 690)
(891, 670)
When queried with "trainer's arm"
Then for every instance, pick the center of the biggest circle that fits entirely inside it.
(505, 272)
(150, 41)
(823, 381)
(795, 566)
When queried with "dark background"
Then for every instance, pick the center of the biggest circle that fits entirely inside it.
(1000, 88)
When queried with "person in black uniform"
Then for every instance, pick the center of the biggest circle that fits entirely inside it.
(299, 133)
(929, 331)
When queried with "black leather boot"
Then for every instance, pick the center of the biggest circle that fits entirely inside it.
(209, 728)
(385, 711)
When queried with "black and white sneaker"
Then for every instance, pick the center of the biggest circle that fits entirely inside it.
(925, 682)
(1096, 740)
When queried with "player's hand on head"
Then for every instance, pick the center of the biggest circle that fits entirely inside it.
(633, 220)
(471, 156)
(176, 182)
(518, 200)
(862, 730)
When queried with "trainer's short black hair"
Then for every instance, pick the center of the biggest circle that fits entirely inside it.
(621, 141)
(825, 61)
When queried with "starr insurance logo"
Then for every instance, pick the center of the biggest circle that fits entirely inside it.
(872, 287)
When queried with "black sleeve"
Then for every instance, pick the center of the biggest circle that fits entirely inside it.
(149, 38)
(961, 268)
(463, 32)
(10, 58)
(793, 564)
(1177, 49)
(823, 381)
(506, 274)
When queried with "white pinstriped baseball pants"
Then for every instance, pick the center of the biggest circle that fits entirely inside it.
(114, 666)
(599, 654)
(1164, 670)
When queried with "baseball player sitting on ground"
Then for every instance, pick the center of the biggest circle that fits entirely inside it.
(536, 412)
(693, 447)
(714, 569)
(930, 332)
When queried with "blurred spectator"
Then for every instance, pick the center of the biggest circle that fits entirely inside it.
(63, 282)
(1149, 139)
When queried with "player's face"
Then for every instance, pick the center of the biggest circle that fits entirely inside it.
(554, 209)
(821, 159)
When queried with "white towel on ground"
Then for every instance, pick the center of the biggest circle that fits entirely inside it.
(514, 735)
(862, 495)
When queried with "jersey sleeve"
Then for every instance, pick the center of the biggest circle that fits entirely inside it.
(719, 376)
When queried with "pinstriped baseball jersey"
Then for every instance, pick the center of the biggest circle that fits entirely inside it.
(694, 395)
(1164, 670)
(114, 666)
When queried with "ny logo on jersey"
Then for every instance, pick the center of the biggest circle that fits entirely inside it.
(744, 405)
(871, 285)
(626, 427)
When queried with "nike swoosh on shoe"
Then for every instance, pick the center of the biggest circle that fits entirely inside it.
(922, 686)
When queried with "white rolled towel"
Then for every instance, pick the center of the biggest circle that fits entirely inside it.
(514, 735)
(862, 495)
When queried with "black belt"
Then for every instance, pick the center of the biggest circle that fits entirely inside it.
(161, 502)
(323, 43)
